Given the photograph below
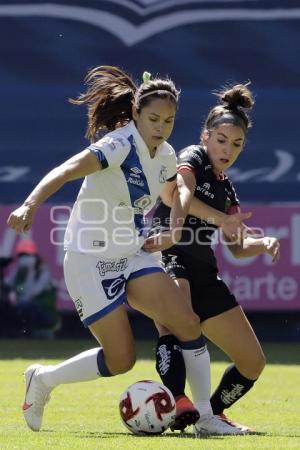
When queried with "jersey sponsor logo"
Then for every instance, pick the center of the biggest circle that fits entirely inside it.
(135, 181)
(113, 286)
(120, 140)
(197, 158)
(163, 174)
(184, 154)
(112, 266)
(205, 190)
(136, 171)
(109, 142)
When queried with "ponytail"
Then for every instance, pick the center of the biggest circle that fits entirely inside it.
(110, 94)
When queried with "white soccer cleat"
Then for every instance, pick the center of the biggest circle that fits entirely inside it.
(36, 397)
(214, 425)
(244, 428)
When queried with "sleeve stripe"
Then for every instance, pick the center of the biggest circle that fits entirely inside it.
(100, 155)
(172, 178)
(184, 168)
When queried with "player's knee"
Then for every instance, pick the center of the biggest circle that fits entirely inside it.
(259, 363)
(253, 365)
(189, 326)
(123, 364)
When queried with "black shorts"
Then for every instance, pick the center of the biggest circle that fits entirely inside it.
(210, 295)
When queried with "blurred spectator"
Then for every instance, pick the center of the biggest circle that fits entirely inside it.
(32, 292)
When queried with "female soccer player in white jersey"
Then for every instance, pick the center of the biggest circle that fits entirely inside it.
(124, 173)
(192, 264)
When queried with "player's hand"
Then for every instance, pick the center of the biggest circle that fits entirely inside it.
(234, 228)
(21, 219)
(272, 246)
(161, 241)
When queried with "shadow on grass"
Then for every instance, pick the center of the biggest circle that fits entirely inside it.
(106, 435)
(32, 349)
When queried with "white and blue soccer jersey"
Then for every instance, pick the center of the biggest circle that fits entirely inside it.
(107, 218)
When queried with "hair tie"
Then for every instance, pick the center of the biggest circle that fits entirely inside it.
(146, 77)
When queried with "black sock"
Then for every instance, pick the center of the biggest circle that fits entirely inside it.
(170, 364)
(232, 387)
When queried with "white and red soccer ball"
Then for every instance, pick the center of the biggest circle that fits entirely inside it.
(147, 407)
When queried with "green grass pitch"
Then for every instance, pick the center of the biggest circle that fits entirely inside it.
(85, 415)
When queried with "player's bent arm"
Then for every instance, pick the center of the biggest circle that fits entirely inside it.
(166, 194)
(80, 165)
(205, 212)
(182, 198)
(197, 207)
(182, 195)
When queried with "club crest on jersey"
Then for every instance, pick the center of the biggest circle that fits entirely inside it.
(163, 174)
(142, 203)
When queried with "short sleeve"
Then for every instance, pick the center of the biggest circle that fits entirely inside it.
(192, 159)
(172, 169)
(111, 150)
(169, 158)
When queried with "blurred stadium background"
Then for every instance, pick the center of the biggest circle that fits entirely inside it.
(45, 52)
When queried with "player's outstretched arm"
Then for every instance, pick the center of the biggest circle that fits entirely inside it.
(255, 246)
(80, 165)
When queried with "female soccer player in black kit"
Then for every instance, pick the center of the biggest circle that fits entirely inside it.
(193, 266)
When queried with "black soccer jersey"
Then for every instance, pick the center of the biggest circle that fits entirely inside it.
(217, 193)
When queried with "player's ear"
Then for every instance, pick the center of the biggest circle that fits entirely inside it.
(135, 113)
(205, 136)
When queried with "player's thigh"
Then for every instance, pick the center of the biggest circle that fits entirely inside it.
(232, 332)
(157, 296)
(114, 334)
(184, 287)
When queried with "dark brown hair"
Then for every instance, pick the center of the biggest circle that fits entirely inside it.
(110, 95)
(236, 100)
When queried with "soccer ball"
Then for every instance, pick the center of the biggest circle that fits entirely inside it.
(147, 407)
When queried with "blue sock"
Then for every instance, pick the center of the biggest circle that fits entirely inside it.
(103, 369)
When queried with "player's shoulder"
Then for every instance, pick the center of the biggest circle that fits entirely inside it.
(193, 154)
(116, 140)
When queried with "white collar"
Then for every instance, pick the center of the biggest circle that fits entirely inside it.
(137, 137)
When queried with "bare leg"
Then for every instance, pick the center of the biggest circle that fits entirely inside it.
(114, 334)
(157, 296)
(232, 332)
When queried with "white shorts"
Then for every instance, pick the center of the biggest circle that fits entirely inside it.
(97, 286)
